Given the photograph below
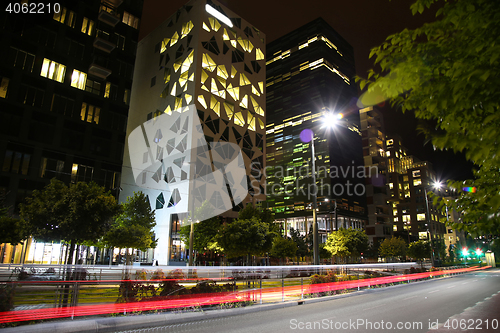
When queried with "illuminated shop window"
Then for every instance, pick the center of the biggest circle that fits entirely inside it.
(53, 70)
(78, 79)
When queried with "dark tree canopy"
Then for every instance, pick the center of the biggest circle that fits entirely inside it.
(419, 250)
(448, 72)
(204, 231)
(133, 227)
(79, 213)
(392, 247)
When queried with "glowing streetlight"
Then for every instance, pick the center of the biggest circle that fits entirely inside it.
(435, 185)
(330, 120)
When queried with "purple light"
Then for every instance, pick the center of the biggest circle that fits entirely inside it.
(306, 135)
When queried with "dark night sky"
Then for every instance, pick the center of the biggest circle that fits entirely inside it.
(363, 23)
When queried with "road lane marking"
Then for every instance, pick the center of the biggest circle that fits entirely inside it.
(409, 297)
(452, 286)
(430, 292)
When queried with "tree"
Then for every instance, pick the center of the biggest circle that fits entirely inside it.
(283, 247)
(204, 232)
(78, 213)
(12, 230)
(300, 241)
(448, 72)
(133, 227)
(245, 237)
(419, 250)
(392, 247)
(264, 215)
(347, 243)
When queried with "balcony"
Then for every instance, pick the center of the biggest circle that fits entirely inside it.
(99, 71)
(108, 15)
(104, 45)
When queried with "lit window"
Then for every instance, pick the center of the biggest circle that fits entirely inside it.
(90, 113)
(130, 20)
(66, 16)
(81, 172)
(60, 16)
(78, 79)
(126, 96)
(238, 119)
(87, 26)
(186, 28)
(3, 87)
(417, 182)
(53, 70)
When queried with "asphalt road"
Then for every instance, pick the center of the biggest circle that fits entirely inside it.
(470, 301)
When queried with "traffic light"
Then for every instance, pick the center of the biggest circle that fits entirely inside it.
(479, 252)
(465, 252)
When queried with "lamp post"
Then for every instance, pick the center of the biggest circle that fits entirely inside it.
(307, 135)
(429, 227)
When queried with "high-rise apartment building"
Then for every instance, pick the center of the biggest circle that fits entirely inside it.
(375, 158)
(66, 77)
(309, 75)
(197, 118)
(409, 181)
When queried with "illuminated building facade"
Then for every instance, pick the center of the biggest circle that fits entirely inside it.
(309, 73)
(374, 154)
(65, 87)
(208, 63)
(408, 179)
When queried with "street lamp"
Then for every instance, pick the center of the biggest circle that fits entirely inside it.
(435, 185)
(307, 135)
